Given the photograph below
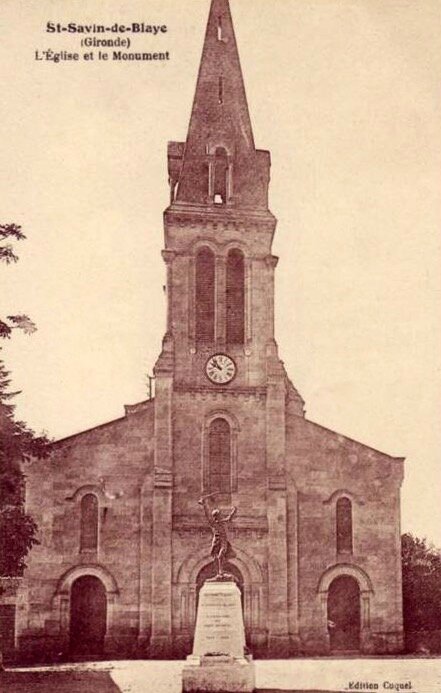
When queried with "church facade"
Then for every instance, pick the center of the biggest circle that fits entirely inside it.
(124, 545)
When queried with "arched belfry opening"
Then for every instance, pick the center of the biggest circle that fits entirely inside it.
(205, 295)
(221, 90)
(235, 297)
(220, 164)
(219, 29)
(344, 614)
(88, 615)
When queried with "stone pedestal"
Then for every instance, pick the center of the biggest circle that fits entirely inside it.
(218, 663)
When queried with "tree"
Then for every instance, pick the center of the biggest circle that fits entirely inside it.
(8, 255)
(9, 231)
(18, 443)
(421, 565)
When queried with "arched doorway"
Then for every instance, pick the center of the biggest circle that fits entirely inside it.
(88, 615)
(344, 614)
(210, 570)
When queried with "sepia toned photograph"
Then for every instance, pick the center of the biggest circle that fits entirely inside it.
(220, 371)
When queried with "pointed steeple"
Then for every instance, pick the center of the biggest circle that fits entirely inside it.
(219, 163)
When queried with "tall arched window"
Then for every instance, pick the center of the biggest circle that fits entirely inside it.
(235, 297)
(344, 525)
(205, 295)
(219, 452)
(89, 523)
(220, 177)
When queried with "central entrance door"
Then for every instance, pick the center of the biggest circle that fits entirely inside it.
(88, 616)
(344, 614)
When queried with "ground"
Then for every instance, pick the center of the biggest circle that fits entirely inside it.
(326, 675)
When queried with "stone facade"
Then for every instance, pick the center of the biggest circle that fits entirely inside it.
(318, 513)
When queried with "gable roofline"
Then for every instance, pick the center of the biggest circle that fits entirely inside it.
(357, 442)
(130, 410)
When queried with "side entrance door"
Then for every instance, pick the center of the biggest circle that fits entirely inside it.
(344, 614)
(88, 616)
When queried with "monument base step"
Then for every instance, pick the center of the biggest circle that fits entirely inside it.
(218, 674)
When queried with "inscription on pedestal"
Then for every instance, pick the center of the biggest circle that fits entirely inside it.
(219, 626)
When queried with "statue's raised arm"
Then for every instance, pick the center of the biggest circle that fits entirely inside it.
(203, 501)
(230, 515)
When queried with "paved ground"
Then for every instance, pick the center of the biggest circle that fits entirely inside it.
(57, 682)
(296, 675)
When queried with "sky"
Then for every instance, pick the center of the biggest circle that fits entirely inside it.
(345, 94)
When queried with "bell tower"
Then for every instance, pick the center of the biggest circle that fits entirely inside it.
(219, 229)
(221, 390)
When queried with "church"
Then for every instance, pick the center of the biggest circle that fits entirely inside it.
(125, 547)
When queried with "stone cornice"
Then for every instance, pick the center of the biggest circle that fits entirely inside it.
(245, 392)
(277, 482)
(168, 256)
(241, 522)
(269, 260)
(163, 478)
(224, 217)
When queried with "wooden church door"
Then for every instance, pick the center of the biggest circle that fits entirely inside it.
(88, 615)
(344, 614)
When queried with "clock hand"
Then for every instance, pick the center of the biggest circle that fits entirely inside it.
(215, 363)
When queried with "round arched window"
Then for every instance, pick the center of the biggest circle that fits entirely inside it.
(89, 523)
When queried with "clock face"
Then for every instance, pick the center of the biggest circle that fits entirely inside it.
(220, 369)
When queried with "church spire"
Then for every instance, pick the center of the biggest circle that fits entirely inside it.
(220, 105)
(218, 163)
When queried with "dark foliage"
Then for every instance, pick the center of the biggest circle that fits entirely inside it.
(7, 255)
(421, 584)
(18, 443)
(9, 231)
